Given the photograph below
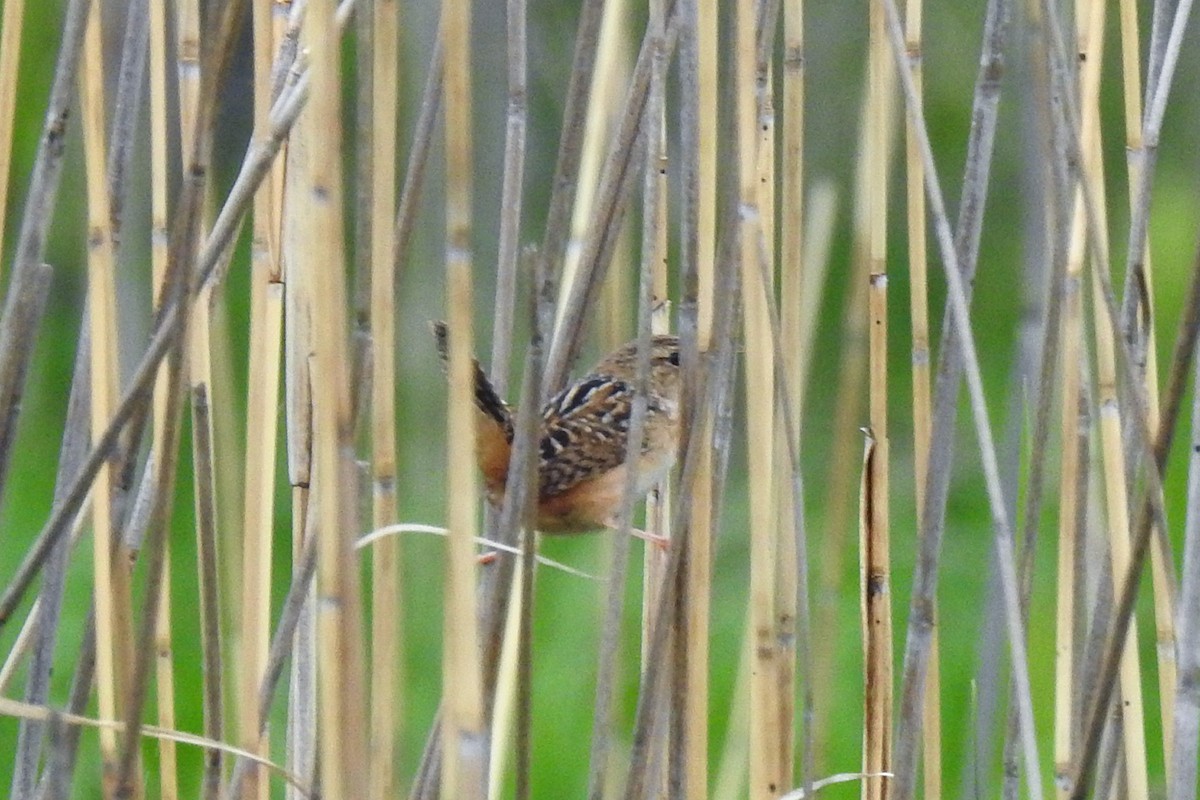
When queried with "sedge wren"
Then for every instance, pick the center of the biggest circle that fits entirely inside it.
(582, 436)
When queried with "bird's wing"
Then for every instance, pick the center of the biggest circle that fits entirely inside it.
(584, 429)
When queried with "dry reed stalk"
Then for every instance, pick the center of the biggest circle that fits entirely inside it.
(875, 545)
(302, 756)
(875, 556)
(504, 707)
(463, 770)
(650, 115)
(302, 642)
(113, 610)
(1073, 472)
(262, 414)
(159, 241)
(649, 759)
(764, 734)
(340, 694)
(187, 50)
(1161, 558)
(792, 279)
(386, 609)
(516, 127)
(922, 398)
(10, 59)
(698, 118)
(658, 501)
(1153, 452)
(177, 291)
(1091, 19)
(785, 578)
(844, 463)
(1066, 700)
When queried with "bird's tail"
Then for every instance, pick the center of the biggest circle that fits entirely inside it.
(487, 400)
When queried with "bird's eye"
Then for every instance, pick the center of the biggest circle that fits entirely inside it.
(673, 359)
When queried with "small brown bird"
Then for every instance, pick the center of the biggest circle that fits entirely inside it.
(584, 428)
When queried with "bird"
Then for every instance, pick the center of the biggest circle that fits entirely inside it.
(582, 436)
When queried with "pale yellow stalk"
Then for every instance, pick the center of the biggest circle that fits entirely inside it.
(931, 726)
(341, 706)
(262, 414)
(700, 545)
(111, 584)
(159, 176)
(760, 405)
(10, 57)
(1090, 18)
(462, 725)
(1160, 558)
(386, 653)
(875, 555)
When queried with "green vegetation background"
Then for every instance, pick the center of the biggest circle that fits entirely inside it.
(568, 609)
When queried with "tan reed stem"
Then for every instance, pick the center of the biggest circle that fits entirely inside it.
(792, 279)
(760, 378)
(113, 620)
(10, 58)
(463, 769)
(159, 176)
(1090, 20)
(340, 695)
(700, 54)
(262, 415)
(875, 547)
(387, 709)
(699, 564)
(918, 276)
(1160, 554)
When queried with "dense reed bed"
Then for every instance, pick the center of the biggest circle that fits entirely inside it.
(240, 514)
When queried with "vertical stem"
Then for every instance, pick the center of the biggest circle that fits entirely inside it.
(258, 506)
(931, 728)
(1160, 557)
(10, 59)
(698, 62)
(159, 241)
(875, 557)
(340, 706)
(760, 377)
(111, 585)
(876, 560)
(463, 765)
(386, 654)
